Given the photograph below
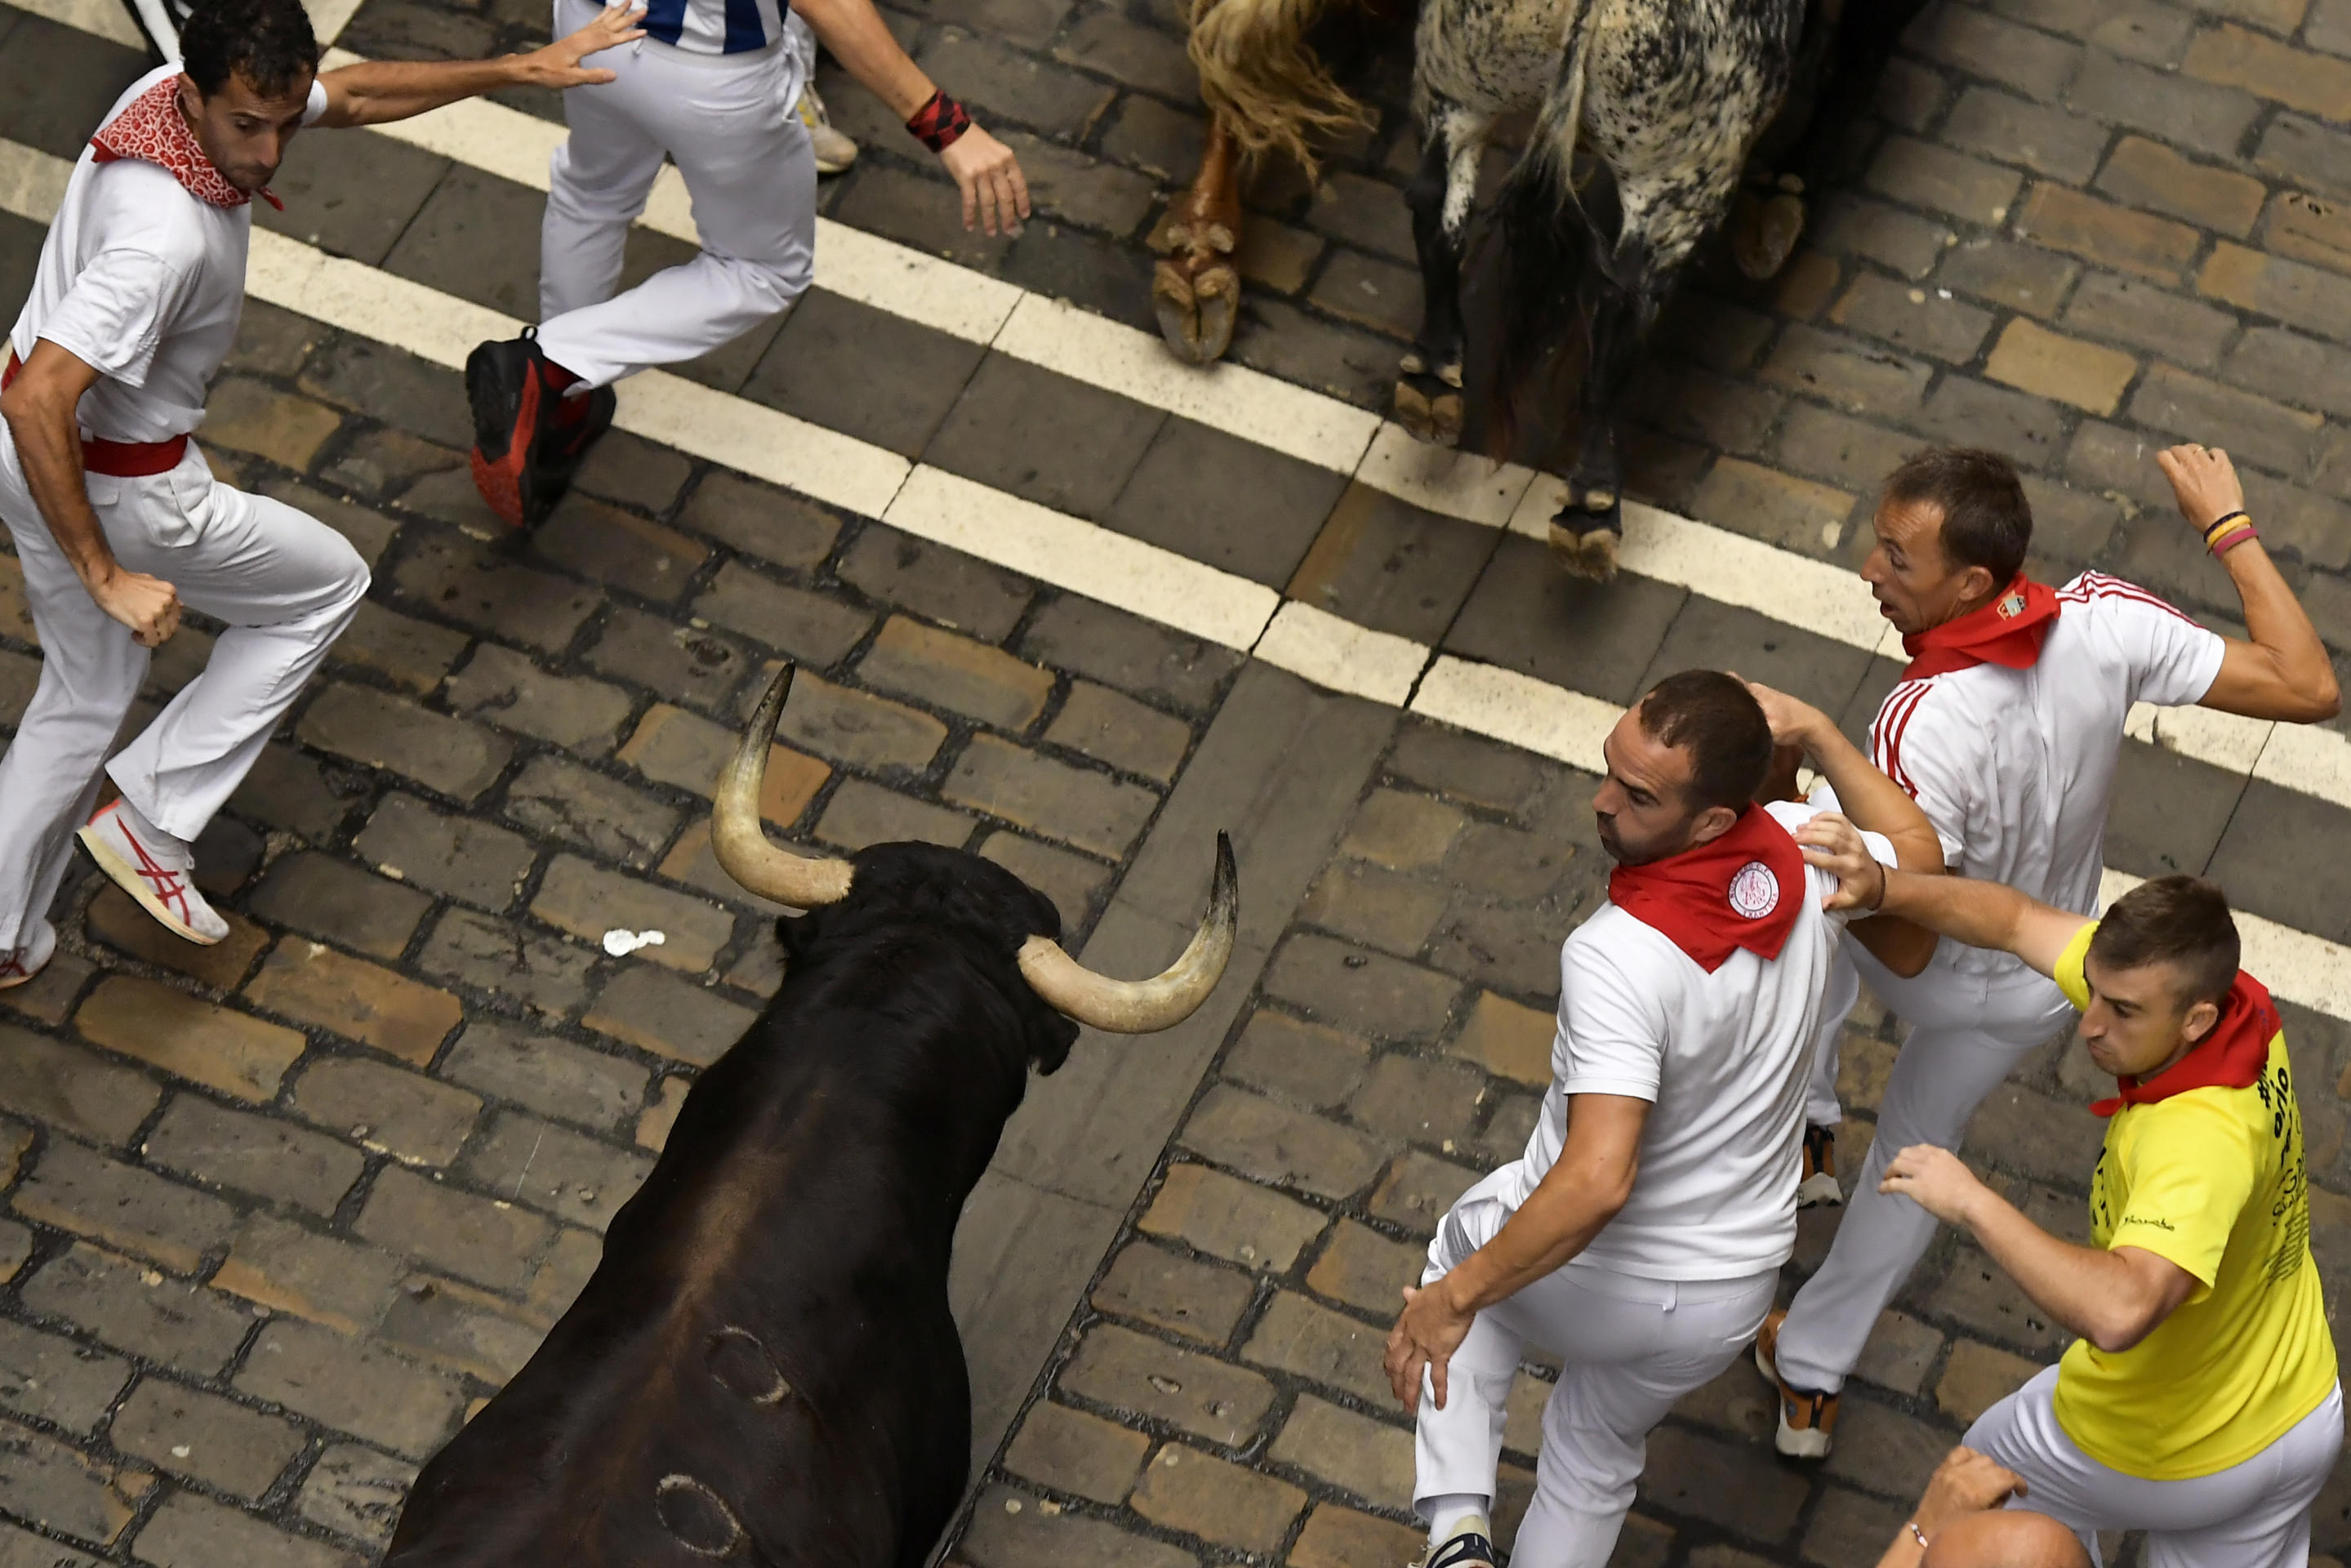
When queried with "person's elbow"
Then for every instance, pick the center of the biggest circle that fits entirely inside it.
(2122, 1327)
(1608, 1186)
(2317, 699)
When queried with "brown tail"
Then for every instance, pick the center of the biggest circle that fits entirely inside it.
(1260, 76)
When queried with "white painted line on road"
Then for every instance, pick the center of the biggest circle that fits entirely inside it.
(1716, 563)
(1069, 552)
(1341, 656)
(1518, 710)
(1059, 336)
(1022, 536)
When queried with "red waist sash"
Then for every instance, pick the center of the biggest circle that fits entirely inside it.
(117, 459)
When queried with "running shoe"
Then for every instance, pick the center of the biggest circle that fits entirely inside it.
(153, 868)
(28, 958)
(529, 439)
(1469, 1547)
(834, 150)
(1807, 1419)
(1819, 1183)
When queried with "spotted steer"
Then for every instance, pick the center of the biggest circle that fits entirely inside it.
(762, 1369)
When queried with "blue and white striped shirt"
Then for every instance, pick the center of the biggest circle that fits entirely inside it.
(717, 27)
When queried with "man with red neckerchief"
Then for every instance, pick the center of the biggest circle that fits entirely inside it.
(2007, 729)
(2199, 1402)
(1640, 1236)
(117, 521)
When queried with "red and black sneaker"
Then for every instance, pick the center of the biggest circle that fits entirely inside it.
(528, 438)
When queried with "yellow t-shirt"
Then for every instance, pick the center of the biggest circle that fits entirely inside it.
(2212, 1180)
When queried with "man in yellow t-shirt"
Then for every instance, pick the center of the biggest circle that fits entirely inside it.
(2200, 1403)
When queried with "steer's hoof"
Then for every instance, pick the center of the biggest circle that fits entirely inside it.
(1430, 405)
(1586, 532)
(1764, 232)
(1197, 299)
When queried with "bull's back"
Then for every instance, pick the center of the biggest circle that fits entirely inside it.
(762, 1367)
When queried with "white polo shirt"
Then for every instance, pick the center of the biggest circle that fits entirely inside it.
(144, 283)
(1722, 1059)
(2016, 768)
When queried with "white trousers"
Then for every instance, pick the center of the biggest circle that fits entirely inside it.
(1965, 1034)
(286, 584)
(1630, 1346)
(2255, 1514)
(726, 121)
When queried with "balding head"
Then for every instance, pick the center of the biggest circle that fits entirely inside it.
(2005, 1538)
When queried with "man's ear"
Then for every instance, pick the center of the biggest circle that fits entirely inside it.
(1711, 824)
(1976, 585)
(2199, 1021)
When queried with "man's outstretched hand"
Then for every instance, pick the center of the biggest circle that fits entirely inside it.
(1834, 845)
(994, 192)
(559, 64)
(2203, 481)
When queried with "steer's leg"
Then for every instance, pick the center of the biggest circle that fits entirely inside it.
(1196, 290)
(1428, 393)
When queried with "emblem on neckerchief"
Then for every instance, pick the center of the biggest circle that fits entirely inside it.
(1754, 890)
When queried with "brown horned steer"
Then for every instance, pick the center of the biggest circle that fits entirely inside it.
(762, 1369)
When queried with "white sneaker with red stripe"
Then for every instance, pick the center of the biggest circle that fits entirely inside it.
(153, 868)
(29, 958)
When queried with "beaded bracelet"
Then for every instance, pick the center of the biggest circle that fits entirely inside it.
(2227, 533)
(939, 122)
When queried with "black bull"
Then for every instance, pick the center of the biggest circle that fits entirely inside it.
(762, 1368)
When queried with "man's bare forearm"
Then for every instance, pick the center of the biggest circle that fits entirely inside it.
(376, 92)
(1980, 914)
(2278, 625)
(2090, 1291)
(1872, 801)
(857, 37)
(1557, 1222)
(49, 449)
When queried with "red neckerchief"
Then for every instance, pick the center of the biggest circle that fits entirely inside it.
(2231, 1057)
(151, 129)
(1742, 890)
(2009, 631)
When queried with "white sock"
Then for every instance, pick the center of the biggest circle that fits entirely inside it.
(157, 840)
(1446, 1512)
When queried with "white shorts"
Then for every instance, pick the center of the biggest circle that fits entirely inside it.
(2255, 1514)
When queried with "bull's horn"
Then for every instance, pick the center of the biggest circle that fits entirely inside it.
(739, 840)
(1140, 1006)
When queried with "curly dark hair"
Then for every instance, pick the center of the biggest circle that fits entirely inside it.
(267, 42)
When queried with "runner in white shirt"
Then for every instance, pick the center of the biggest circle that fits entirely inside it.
(1640, 1236)
(2007, 730)
(117, 521)
(711, 88)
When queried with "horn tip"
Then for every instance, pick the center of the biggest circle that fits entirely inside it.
(1224, 892)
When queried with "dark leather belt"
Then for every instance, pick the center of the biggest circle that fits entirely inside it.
(117, 459)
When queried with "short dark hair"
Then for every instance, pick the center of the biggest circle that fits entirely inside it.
(1718, 720)
(1987, 521)
(2180, 920)
(267, 42)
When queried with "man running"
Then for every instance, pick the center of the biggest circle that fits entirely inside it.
(712, 88)
(2007, 729)
(1640, 1236)
(2200, 1401)
(117, 521)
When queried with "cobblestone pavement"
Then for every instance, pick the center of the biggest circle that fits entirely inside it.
(275, 1215)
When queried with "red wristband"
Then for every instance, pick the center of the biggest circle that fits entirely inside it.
(939, 122)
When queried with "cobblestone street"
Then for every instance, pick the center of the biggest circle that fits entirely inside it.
(276, 1215)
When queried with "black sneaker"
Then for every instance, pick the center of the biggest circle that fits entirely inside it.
(525, 449)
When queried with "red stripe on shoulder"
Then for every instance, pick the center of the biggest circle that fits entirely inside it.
(2093, 585)
(1893, 722)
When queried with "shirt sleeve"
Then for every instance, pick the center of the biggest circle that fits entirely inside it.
(1906, 752)
(2191, 1170)
(1792, 815)
(2170, 659)
(1612, 1030)
(316, 106)
(115, 315)
(2070, 977)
